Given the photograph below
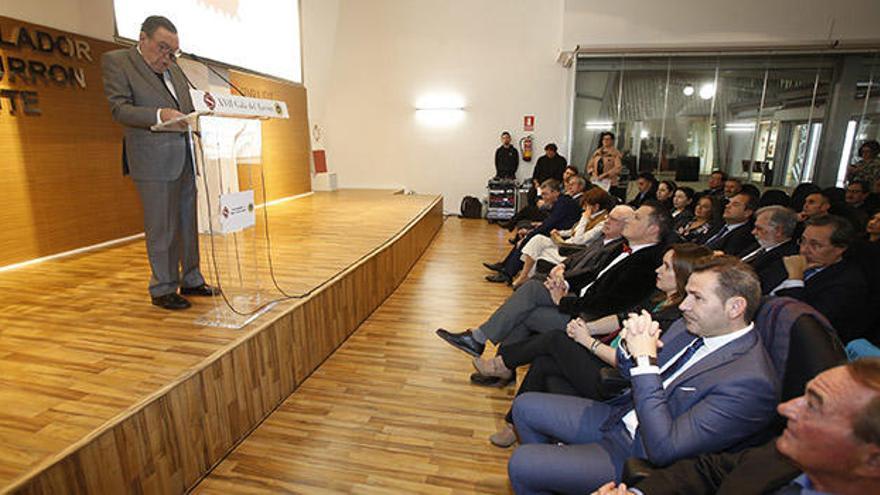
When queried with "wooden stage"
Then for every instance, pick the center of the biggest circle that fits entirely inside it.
(101, 392)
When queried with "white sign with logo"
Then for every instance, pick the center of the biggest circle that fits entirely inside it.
(237, 211)
(237, 106)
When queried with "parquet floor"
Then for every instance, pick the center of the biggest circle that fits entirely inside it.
(81, 346)
(392, 411)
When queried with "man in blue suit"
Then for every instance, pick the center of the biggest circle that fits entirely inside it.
(710, 387)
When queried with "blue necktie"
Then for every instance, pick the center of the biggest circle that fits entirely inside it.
(809, 272)
(624, 403)
(719, 235)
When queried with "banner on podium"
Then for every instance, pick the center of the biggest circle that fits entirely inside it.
(237, 106)
(237, 211)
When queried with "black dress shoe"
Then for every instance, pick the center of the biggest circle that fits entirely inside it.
(491, 381)
(498, 278)
(495, 267)
(464, 341)
(171, 301)
(202, 290)
(513, 240)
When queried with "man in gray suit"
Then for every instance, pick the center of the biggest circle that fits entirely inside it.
(145, 87)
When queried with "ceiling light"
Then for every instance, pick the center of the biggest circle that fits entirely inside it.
(688, 90)
(707, 91)
(600, 125)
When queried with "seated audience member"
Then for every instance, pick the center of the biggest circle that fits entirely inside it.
(647, 189)
(682, 207)
(774, 228)
(822, 278)
(568, 361)
(665, 191)
(708, 388)
(573, 185)
(716, 184)
(856, 196)
(605, 165)
(618, 284)
(732, 187)
(707, 216)
(830, 445)
(865, 253)
(564, 212)
(735, 236)
(596, 204)
(800, 193)
(506, 159)
(872, 229)
(815, 204)
(570, 171)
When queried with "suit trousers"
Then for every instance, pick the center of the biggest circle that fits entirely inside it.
(530, 309)
(587, 458)
(171, 232)
(559, 365)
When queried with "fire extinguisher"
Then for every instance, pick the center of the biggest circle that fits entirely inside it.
(525, 147)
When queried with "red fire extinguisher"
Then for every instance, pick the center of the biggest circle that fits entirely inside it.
(525, 148)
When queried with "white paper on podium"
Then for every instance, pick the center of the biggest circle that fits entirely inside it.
(237, 211)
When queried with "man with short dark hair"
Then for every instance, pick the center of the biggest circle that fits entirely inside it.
(822, 278)
(773, 230)
(735, 236)
(647, 189)
(145, 87)
(506, 159)
(815, 204)
(709, 386)
(830, 445)
(550, 166)
(860, 209)
(732, 187)
(716, 184)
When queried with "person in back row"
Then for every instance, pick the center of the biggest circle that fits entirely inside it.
(708, 387)
(506, 159)
(735, 236)
(774, 228)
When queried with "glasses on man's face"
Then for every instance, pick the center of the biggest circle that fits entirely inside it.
(166, 49)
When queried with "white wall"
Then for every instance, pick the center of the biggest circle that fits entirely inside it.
(640, 23)
(498, 56)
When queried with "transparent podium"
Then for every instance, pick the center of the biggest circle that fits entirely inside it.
(224, 136)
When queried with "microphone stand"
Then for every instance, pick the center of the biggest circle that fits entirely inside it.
(216, 72)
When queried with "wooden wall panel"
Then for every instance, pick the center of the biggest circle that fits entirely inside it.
(286, 143)
(169, 443)
(60, 172)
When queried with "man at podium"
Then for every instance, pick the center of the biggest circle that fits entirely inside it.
(145, 87)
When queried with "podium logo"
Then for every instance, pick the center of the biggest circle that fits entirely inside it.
(209, 100)
(225, 212)
(277, 108)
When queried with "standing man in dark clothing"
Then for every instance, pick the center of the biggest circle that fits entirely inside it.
(506, 159)
(550, 166)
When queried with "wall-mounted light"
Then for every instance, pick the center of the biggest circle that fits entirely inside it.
(599, 125)
(739, 127)
(707, 91)
(440, 109)
(644, 134)
(688, 90)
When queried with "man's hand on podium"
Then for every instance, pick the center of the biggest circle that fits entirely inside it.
(167, 114)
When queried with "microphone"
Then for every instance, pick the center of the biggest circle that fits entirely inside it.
(193, 86)
(215, 71)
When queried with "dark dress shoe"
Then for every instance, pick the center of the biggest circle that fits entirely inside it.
(171, 301)
(513, 240)
(202, 290)
(498, 278)
(495, 267)
(491, 381)
(464, 341)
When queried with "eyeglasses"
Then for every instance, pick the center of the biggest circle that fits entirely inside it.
(166, 49)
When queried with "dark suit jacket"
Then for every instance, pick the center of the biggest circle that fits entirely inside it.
(769, 265)
(759, 470)
(621, 287)
(722, 400)
(581, 269)
(565, 213)
(840, 293)
(641, 198)
(738, 242)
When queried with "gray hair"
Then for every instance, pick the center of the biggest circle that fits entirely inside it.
(154, 22)
(782, 217)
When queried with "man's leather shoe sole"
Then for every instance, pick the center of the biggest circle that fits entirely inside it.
(462, 341)
(202, 290)
(490, 381)
(171, 302)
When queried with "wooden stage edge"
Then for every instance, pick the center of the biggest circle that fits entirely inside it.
(167, 442)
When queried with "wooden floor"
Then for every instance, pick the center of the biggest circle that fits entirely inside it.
(81, 347)
(392, 411)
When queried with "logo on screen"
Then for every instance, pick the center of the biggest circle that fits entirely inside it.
(209, 100)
